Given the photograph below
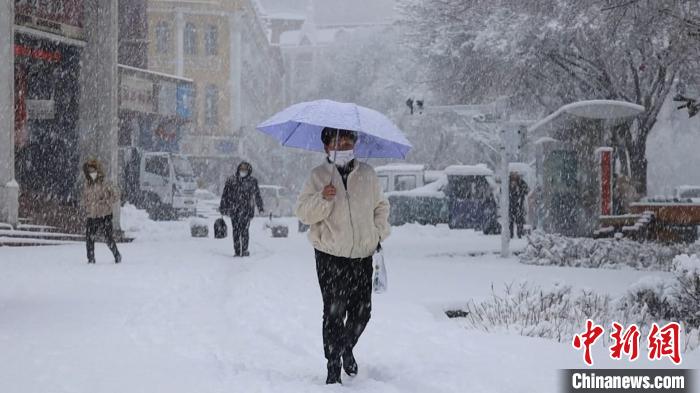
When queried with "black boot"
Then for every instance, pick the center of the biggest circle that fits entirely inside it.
(118, 258)
(349, 363)
(333, 372)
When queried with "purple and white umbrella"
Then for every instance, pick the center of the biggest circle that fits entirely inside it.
(300, 126)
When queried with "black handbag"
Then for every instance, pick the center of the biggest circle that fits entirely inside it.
(220, 228)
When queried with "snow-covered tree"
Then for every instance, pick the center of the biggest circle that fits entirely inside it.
(552, 52)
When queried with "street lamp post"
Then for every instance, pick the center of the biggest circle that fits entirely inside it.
(590, 109)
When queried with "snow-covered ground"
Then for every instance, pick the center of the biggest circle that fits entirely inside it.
(182, 315)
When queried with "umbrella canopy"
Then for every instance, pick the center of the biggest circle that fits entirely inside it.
(300, 126)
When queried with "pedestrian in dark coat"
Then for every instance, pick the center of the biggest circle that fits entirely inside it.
(99, 197)
(517, 191)
(241, 195)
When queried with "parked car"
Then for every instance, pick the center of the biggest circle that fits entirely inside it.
(691, 193)
(423, 205)
(401, 177)
(472, 198)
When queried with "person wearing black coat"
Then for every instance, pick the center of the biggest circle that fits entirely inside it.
(517, 191)
(241, 195)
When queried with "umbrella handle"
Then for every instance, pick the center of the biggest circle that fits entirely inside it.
(335, 154)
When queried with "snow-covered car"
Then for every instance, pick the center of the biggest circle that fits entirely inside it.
(691, 193)
(401, 177)
(472, 198)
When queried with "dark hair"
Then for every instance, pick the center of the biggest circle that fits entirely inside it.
(328, 133)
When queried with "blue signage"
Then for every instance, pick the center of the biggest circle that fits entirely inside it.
(185, 101)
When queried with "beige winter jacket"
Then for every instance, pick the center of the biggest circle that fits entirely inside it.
(99, 196)
(355, 221)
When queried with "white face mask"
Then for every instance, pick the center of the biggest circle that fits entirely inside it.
(244, 173)
(341, 157)
(93, 175)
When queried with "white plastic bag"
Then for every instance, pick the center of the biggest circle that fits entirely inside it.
(379, 278)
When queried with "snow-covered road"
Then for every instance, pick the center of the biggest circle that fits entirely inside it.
(182, 315)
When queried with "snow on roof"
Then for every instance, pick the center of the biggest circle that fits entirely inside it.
(468, 170)
(431, 176)
(285, 16)
(545, 139)
(428, 190)
(603, 109)
(154, 73)
(686, 187)
(400, 168)
(316, 37)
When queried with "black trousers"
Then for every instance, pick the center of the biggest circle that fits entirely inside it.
(346, 288)
(103, 224)
(517, 218)
(240, 229)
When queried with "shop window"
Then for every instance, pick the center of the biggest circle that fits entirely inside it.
(190, 39)
(162, 37)
(211, 105)
(211, 41)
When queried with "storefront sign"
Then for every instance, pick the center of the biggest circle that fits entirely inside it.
(62, 17)
(36, 53)
(136, 94)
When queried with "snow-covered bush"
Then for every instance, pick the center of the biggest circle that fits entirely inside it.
(686, 291)
(549, 249)
(647, 301)
(655, 299)
(533, 311)
(560, 312)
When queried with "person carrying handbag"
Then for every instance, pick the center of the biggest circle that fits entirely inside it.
(345, 207)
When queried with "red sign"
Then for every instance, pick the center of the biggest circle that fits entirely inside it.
(39, 54)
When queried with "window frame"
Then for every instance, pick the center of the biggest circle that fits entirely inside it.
(189, 39)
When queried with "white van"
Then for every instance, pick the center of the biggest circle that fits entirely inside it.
(401, 177)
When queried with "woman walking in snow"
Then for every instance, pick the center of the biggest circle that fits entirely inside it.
(99, 197)
(347, 211)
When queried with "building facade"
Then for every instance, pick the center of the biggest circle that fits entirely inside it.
(237, 76)
(59, 102)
